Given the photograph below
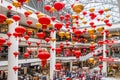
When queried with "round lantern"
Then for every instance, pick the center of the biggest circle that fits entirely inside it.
(61, 17)
(47, 39)
(21, 1)
(77, 54)
(58, 50)
(26, 14)
(47, 7)
(16, 17)
(16, 4)
(26, 37)
(101, 12)
(100, 66)
(41, 35)
(9, 44)
(100, 58)
(91, 60)
(20, 29)
(16, 54)
(58, 66)
(91, 31)
(38, 25)
(15, 68)
(53, 39)
(78, 8)
(9, 21)
(9, 7)
(2, 41)
(2, 18)
(100, 29)
(92, 9)
(53, 18)
(59, 6)
(61, 34)
(58, 26)
(9, 34)
(37, 43)
(77, 32)
(26, 55)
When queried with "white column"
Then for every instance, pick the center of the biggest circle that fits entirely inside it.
(12, 61)
(104, 70)
(71, 63)
(53, 56)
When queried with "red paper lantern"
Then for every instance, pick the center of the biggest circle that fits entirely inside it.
(29, 33)
(15, 34)
(92, 48)
(58, 25)
(26, 14)
(43, 55)
(16, 17)
(59, 6)
(101, 12)
(100, 58)
(21, 1)
(2, 18)
(41, 35)
(44, 20)
(47, 7)
(53, 18)
(77, 54)
(26, 37)
(15, 68)
(84, 13)
(29, 22)
(2, 41)
(61, 17)
(47, 39)
(38, 43)
(9, 7)
(58, 66)
(16, 54)
(26, 55)
(106, 21)
(9, 44)
(29, 43)
(61, 45)
(77, 32)
(9, 34)
(100, 66)
(58, 50)
(20, 30)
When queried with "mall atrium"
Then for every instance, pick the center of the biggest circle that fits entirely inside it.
(59, 39)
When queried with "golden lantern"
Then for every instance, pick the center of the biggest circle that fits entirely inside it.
(67, 34)
(106, 9)
(78, 8)
(78, 25)
(30, 12)
(102, 19)
(61, 34)
(92, 9)
(16, 4)
(50, 25)
(73, 16)
(68, 37)
(84, 22)
(38, 25)
(109, 35)
(91, 60)
(100, 29)
(93, 36)
(85, 40)
(9, 21)
(94, 62)
(91, 31)
(92, 43)
(53, 9)
(107, 15)
(53, 39)
(73, 42)
(40, 15)
(81, 18)
(27, 1)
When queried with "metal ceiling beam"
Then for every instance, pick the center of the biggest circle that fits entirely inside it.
(119, 5)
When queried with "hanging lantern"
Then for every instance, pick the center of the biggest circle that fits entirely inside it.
(92, 48)
(106, 9)
(43, 56)
(67, 34)
(58, 26)
(2, 18)
(9, 21)
(58, 66)
(15, 34)
(9, 34)
(84, 13)
(77, 54)
(61, 17)
(100, 29)
(94, 55)
(84, 22)
(107, 15)
(29, 43)
(53, 18)
(91, 60)
(29, 32)
(47, 39)
(59, 6)
(61, 45)
(52, 9)
(38, 25)
(78, 8)
(15, 68)
(9, 44)
(16, 54)
(29, 22)
(47, 7)
(41, 35)
(53, 39)
(100, 43)
(2, 41)
(26, 55)
(77, 32)
(38, 43)
(93, 36)
(26, 14)
(101, 12)
(100, 66)
(21, 1)
(61, 34)
(9, 7)
(91, 31)
(109, 24)
(92, 9)
(58, 50)
(26, 37)
(40, 15)
(106, 21)
(100, 58)
(20, 29)
(16, 4)
(16, 17)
